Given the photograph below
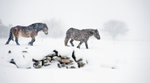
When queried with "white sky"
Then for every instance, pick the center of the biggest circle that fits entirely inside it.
(78, 13)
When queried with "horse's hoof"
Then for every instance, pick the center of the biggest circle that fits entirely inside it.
(67, 45)
(78, 47)
(6, 44)
(30, 44)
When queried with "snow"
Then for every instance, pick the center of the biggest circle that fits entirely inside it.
(123, 60)
(109, 61)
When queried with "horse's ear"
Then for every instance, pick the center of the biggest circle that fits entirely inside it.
(91, 32)
(96, 30)
(45, 24)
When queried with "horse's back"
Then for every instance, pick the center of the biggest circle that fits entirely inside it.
(74, 34)
(35, 25)
(73, 30)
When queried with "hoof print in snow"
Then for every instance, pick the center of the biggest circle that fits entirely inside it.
(24, 51)
(23, 56)
(9, 51)
(113, 67)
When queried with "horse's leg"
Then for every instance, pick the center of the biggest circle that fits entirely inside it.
(86, 44)
(71, 41)
(16, 40)
(9, 39)
(79, 44)
(66, 40)
(33, 40)
(16, 33)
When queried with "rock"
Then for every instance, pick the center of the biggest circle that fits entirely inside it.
(80, 64)
(51, 55)
(66, 61)
(49, 59)
(36, 63)
(65, 57)
(63, 65)
(80, 60)
(13, 62)
(45, 62)
(72, 67)
(59, 65)
(57, 59)
(73, 56)
(56, 52)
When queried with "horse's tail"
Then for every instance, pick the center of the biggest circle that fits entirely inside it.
(66, 40)
(10, 36)
(67, 37)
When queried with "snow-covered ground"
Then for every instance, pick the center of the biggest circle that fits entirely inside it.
(108, 62)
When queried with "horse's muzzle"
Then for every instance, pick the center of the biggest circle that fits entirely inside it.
(46, 33)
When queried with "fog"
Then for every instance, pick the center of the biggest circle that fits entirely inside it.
(4, 30)
(115, 28)
(80, 14)
(127, 21)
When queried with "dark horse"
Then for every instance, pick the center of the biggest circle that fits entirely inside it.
(27, 31)
(80, 35)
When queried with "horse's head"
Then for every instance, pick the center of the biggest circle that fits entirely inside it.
(45, 29)
(96, 34)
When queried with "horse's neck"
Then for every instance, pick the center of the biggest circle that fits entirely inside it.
(37, 29)
(91, 33)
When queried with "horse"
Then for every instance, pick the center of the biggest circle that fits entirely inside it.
(80, 35)
(27, 31)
